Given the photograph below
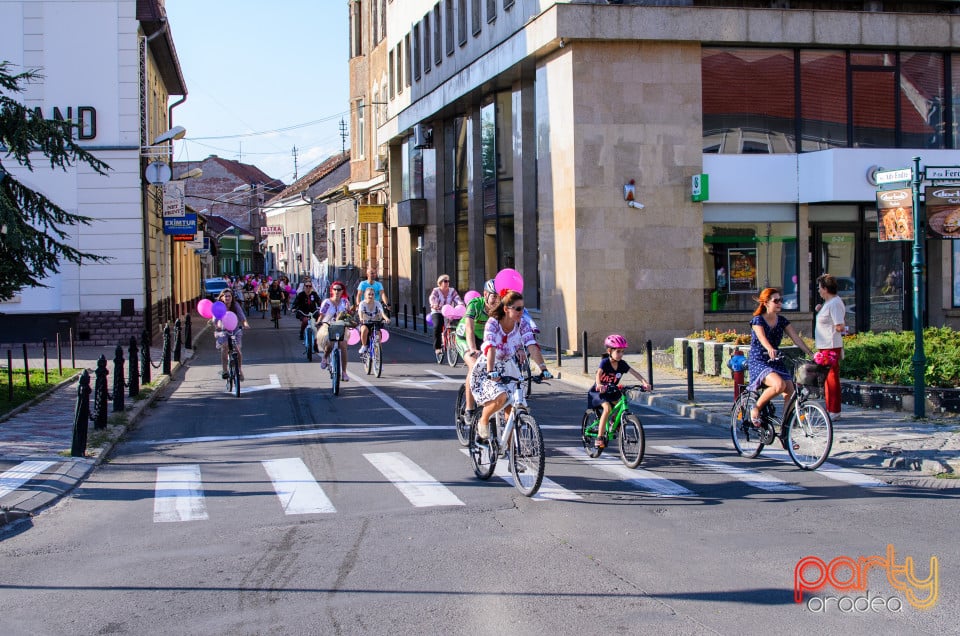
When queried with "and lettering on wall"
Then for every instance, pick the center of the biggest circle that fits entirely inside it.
(85, 120)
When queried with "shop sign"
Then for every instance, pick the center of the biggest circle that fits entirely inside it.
(943, 211)
(700, 187)
(370, 214)
(895, 214)
(173, 204)
(742, 268)
(271, 230)
(179, 226)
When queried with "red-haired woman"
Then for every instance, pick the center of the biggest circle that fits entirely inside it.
(768, 328)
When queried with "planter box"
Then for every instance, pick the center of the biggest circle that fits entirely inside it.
(679, 345)
(712, 357)
(697, 345)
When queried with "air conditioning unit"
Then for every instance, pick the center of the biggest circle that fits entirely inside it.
(422, 136)
(380, 163)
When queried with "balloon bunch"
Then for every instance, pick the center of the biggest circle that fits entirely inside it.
(453, 313)
(825, 358)
(353, 336)
(218, 311)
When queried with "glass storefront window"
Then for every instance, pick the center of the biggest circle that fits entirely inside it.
(748, 101)
(921, 100)
(874, 111)
(740, 259)
(823, 103)
(955, 83)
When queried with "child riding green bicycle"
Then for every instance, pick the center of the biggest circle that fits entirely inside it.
(606, 386)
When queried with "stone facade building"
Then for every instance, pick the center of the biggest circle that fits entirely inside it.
(512, 128)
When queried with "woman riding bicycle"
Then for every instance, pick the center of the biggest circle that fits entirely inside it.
(504, 334)
(470, 332)
(228, 298)
(606, 386)
(443, 294)
(330, 309)
(369, 311)
(765, 368)
(306, 303)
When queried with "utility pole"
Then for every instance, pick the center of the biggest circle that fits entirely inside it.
(343, 136)
(294, 163)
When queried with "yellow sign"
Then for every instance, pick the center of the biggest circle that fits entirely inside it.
(370, 213)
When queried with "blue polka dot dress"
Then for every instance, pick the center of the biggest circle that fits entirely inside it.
(759, 363)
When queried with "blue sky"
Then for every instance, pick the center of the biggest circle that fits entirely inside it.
(259, 67)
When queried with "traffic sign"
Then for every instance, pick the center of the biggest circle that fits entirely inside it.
(894, 176)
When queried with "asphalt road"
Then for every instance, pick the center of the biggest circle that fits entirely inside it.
(291, 511)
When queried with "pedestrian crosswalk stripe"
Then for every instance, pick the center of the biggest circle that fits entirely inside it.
(549, 489)
(750, 477)
(179, 494)
(416, 484)
(20, 474)
(641, 479)
(297, 489)
(831, 471)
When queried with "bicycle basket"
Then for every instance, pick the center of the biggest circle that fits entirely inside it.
(811, 374)
(336, 329)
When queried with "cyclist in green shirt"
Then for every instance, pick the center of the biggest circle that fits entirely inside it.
(469, 333)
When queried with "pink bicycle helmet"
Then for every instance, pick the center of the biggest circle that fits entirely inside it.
(615, 341)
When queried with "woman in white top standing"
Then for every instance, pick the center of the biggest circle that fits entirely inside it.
(829, 332)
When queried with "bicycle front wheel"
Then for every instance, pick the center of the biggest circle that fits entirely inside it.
(460, 421)
(368, 360)
(746, 437)
(810, 436)
(308, 337)
(235, 375)
(377, 358)
(451, 347)
(632, 440)
(335, 368)
(527, 458)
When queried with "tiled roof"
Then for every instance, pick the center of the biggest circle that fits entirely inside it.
(217, 225)
(318, 173)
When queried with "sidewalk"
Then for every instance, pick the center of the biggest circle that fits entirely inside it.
(863, 438)
(35, 439)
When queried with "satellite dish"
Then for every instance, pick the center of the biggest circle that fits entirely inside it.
(158, 173)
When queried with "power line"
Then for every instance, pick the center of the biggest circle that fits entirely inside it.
(275, 130)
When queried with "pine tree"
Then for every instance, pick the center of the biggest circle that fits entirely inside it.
(33, 229)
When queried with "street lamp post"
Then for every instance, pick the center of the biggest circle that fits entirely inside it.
(236, 246)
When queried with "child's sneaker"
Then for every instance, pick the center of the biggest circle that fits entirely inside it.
(363, 350)
(323, 361)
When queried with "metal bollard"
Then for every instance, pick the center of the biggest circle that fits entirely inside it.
(405, 321)
(118, 379)
(396, 313)
(100, 395)
(559, 357)
(10, 375)
(26, 366)
(73, 351)
(134, 376)
(424, 316)
(81, 416)
(59, 355)
(188, 333)
(145, 358)
(650, 361)
(177, 344)
(165, 355)
(584, 340)
(688, 362)
(413, 312)
(46, 366)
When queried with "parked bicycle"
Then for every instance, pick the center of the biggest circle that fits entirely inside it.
(372, 358)
(519, 439)
(805, 430)
(233, 366)
(335, 331)
(623, 425)
(448, 342)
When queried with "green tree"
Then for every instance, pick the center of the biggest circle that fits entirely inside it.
(32, 227)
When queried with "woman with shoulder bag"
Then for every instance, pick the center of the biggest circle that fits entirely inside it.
(828, 333)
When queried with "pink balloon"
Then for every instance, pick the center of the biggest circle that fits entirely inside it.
(445, 310)
(384, 335)
(456, 313)
(218, 310)
(204, 308)
(470, 295)
(508, 279)
(229, 321)
(353, 336)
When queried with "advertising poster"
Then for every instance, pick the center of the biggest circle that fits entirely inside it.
(943, 211)
(895, 215)
(742, 268)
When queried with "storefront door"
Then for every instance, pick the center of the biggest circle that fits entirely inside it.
(870, 275)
